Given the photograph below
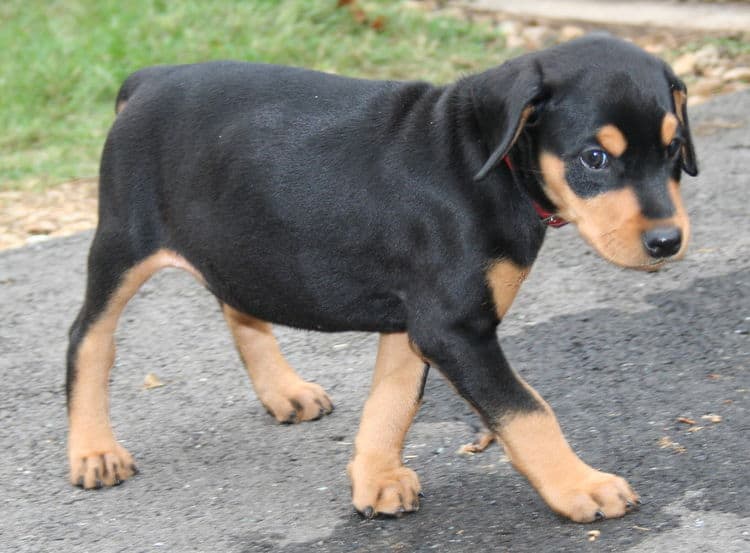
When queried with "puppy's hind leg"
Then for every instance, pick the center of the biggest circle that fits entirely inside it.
(114, 276)
(280, 389)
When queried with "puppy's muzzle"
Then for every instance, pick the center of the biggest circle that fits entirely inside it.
(662, 242)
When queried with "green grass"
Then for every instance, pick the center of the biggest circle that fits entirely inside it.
(61, 62)
(733, 46)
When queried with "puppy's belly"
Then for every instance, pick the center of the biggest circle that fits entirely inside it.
(328, 308)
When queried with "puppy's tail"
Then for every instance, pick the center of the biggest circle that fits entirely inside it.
(139, 79)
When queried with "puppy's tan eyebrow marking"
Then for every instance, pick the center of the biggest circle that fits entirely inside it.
(668, 128)
(612, 139)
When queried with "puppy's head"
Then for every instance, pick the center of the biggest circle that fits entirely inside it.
(602, 133)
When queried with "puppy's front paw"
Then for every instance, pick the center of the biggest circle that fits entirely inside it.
(97, 468)
(296, 402)
(380, 487)
(590, 496)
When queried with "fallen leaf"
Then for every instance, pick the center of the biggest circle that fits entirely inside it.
(151, 381)
(695, 428)
(685, 420)
(712, 417)
(667, 443)
(641, 528)
(378, 23)
(593, 534)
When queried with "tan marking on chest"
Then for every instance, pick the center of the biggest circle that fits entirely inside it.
(505, 278)
(612, 139)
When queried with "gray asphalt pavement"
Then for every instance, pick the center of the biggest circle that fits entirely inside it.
(619, 355)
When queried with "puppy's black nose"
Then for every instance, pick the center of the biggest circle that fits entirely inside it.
(662, 241)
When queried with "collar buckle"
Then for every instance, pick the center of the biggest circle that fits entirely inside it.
(545, 217)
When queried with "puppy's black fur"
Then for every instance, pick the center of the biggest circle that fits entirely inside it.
(329, 203)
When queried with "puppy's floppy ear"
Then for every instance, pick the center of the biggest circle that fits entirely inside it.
(679, 97)
(503, 100)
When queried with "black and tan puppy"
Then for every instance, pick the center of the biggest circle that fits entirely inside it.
(402, 208)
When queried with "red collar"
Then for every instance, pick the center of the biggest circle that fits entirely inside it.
(547, 217)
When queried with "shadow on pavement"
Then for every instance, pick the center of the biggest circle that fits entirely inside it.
(618, 381)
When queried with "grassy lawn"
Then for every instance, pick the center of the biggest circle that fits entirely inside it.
(62, 61)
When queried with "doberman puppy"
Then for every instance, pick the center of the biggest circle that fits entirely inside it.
(411, 210)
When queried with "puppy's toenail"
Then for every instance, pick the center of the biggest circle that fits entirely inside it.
(599, 515)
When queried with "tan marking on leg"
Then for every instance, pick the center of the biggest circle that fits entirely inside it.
(668, 128)
(505, 278)
(380, 483)
(537, 448)
(612, 222)
(612, 139)
(95, 457)
(282, 392)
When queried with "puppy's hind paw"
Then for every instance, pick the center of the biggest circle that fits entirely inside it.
(299, 402)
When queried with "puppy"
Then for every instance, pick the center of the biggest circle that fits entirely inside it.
(411, 210)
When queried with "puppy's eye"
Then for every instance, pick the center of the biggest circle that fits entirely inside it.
(673, 148)
(595, 159)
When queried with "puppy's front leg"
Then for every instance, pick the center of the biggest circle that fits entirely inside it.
(537, 448)
(380, 482)
(526, 426)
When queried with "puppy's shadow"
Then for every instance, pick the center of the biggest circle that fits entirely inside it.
(615, 379)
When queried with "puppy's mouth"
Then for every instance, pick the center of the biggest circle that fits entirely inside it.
(653, 265)
(639, 262)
